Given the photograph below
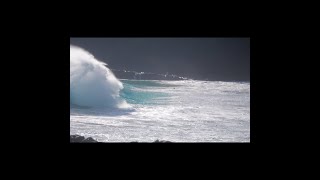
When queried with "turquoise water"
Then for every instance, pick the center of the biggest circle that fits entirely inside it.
(142, 92)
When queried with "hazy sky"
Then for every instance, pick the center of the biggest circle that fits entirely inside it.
(204, 58)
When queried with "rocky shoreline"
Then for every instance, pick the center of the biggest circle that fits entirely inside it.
(82, 139)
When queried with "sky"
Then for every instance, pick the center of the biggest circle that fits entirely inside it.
(198, 58)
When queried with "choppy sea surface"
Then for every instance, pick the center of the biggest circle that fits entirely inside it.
(177, 111)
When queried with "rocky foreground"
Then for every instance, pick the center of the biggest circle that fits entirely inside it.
(82, 139)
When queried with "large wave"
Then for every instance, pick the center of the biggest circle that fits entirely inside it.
(92, 84)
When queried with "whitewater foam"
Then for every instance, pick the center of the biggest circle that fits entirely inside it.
(176, 111)
(92, 83)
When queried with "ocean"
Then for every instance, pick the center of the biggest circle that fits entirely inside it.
(109, 109)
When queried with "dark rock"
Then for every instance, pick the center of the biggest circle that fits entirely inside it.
(161, 141)
(81, 139)
(90, 139)
(76, 138)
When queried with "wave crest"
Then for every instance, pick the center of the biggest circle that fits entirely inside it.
(91, 82)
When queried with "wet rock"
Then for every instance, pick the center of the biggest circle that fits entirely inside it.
(81, 139)
(161, 141)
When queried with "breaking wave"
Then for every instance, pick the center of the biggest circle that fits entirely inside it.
(92, 83)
